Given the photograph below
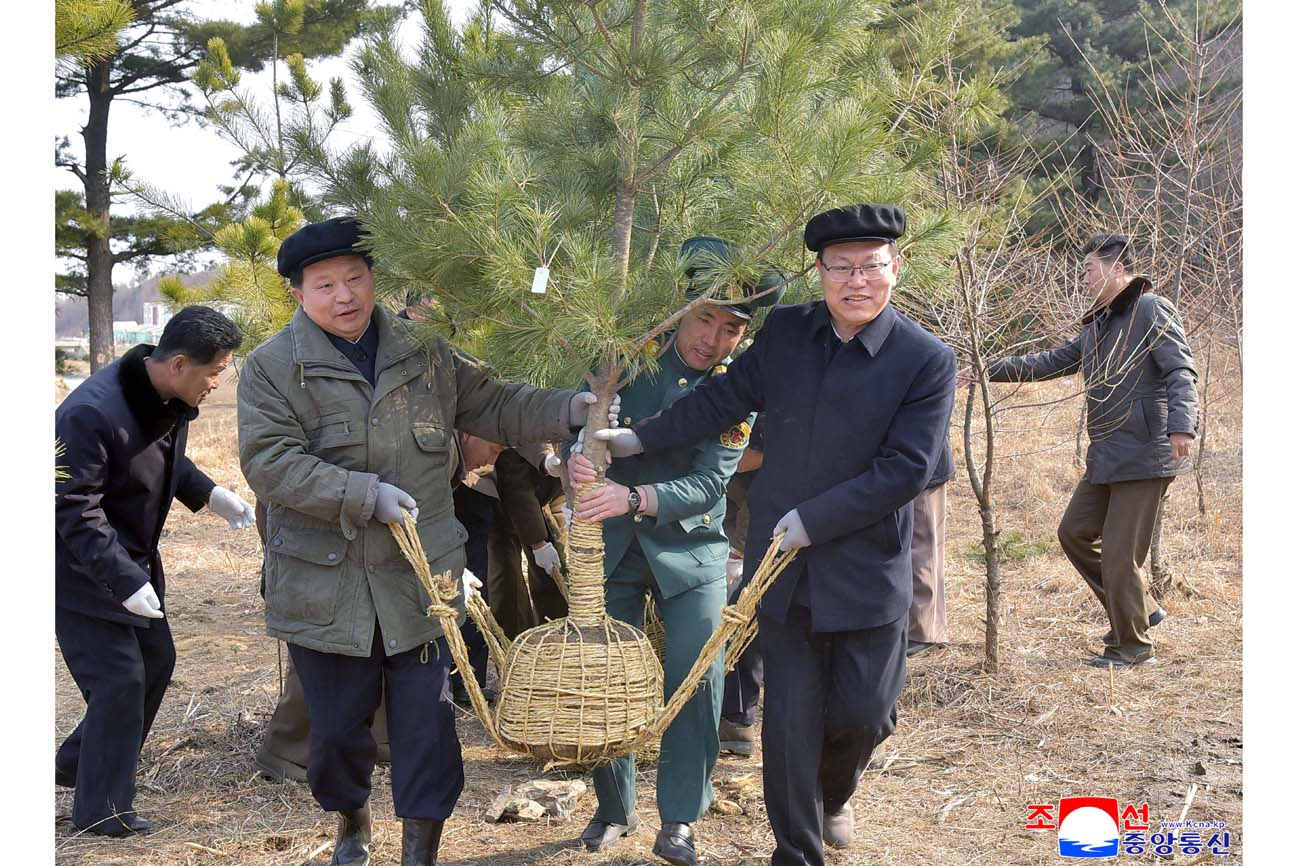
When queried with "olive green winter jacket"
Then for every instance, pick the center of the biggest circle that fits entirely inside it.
(315, 440)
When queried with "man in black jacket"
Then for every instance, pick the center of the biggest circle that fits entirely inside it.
(124, 431)
(857, 399)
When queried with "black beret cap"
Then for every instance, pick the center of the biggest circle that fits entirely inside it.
(317, 241)
(855, 222)
(705, 253)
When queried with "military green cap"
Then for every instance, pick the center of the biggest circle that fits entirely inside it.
(704, 254)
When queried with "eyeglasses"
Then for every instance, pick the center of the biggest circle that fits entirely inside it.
(844, 272)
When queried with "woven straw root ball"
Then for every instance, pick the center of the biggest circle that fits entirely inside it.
(579, 693)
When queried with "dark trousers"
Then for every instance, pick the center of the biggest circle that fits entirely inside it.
(122, 672)
(829, 701)
(1106, 534)
(343, 693)
(286, 746)
(475, 510)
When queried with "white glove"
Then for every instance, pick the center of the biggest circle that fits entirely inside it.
(551, 465)
(390, 501)
(469, 583)
(578, 448)
(578, 408)
(622, 443)
(795, 535)
(230, 505)
(546, 557)
(144, 602)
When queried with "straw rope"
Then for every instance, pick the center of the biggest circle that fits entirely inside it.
(442, 592)
(493, 635)
(586, 584)
(586, 688)
(734, 617)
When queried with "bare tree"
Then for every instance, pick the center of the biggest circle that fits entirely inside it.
(1172, 172)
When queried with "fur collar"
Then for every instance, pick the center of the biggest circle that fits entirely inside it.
(155, 416)
(1136, 288)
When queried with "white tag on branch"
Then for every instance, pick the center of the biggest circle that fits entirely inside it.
(541, 276)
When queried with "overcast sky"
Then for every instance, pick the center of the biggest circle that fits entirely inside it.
(191, 160)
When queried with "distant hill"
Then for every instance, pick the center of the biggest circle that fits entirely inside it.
(71, 318)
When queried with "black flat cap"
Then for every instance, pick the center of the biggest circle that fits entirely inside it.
(855, 222)
(316, 241)
(704, 254)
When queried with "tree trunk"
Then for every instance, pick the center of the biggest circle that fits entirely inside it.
(1199, 467)
(992, 586)
(585, 552)
(1078, 433)
(99, 254)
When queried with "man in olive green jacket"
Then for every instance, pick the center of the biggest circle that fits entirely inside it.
(345, 421)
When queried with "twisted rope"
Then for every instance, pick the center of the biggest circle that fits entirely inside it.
(734, 617)
(442, 592)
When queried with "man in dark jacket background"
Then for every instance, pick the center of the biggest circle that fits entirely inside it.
(1142, 418)
(124, 431)
(858, 398)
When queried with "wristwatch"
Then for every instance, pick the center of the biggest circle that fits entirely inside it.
(633, 500)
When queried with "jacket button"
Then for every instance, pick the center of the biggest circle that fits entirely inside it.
(393, 642)
(681, 383)
(627, 422)
(637, 518)
(403, 372)
(374, 422)
(332, 556)
(708, 519)
(370, 568)
(277, 542)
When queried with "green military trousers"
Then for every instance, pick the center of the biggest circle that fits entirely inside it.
(689, 749)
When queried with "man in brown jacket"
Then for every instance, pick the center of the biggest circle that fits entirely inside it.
(345, 419)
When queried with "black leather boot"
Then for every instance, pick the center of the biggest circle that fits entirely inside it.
(352, 845)
(420, 842)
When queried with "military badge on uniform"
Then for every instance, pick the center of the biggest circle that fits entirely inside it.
(719, 370)
(737, 437)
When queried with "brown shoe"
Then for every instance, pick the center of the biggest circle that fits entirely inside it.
(837, 827)
(737, 739)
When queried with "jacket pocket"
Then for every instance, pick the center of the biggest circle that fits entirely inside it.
(888, 533)
(708, 552)
(1138, 421)
(303, 577)
(336, 424)
(431, 440)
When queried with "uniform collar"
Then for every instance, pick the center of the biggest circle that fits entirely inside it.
(672, 363)
(872, 337)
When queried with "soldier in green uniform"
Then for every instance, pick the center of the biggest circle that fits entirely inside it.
(663, 533)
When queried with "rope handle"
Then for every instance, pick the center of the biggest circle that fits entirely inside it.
(734, 618)
(442, 592)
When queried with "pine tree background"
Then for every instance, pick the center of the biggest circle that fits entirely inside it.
(594, 143)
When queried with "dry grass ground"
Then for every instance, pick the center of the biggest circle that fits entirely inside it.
(949, 788)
